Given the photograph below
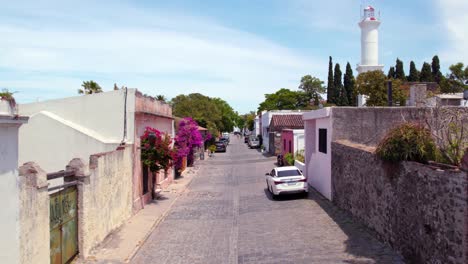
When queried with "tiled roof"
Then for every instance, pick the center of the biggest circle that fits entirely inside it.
(280, 122)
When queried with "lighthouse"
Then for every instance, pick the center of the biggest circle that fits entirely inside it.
(369, 41)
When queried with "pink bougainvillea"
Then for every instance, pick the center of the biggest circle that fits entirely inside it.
(187, 138)
(156, 151)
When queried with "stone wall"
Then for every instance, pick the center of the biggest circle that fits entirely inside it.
(105, 195)
(421, 212)
(368, 125)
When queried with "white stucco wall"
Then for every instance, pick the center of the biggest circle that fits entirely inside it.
(52, 142)
(299, 141)
(103, 112)
(9, 189)
(75, 127)
(9, 226)
(318, 164)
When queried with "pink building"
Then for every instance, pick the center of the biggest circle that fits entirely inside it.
(292, 140)
(156, 114)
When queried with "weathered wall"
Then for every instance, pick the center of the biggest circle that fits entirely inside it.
(105, 197)
(9, 243)
(34, 216)
(421, 212)
(368, 125)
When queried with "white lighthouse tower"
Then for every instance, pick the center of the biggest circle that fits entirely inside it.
(369, 41)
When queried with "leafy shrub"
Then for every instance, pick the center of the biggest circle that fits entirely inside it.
(212, 148)
(300, 156)
(289, 158)
(410, 142)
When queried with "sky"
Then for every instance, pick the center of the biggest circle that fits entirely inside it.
(236, 50)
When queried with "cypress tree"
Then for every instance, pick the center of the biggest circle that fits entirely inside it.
(399, 71)
(391, 73)
(413, 73)
(435, 67)
(426, 73)
(340, 95)
(330, 87)
(349, 83)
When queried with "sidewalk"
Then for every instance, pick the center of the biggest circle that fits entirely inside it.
(121, 245)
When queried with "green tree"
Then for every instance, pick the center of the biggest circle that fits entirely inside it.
(330, 87)
(399, 70)
(199, 107)
(435, 68)
(228, 116)
(90, 87)
(456, 80)
(391, 73)
(313, 87)
(283, 99)
(426, 73)
(349, 85)
(413, 73)
(373, 84)
(341, 96)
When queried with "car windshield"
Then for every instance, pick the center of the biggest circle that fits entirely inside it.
(288, 173)
(219, 143)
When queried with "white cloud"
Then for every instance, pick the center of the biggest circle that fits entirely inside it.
(454, 16)
(142, 49)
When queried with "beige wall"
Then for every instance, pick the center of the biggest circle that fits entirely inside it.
(105, 197)
(33, 215)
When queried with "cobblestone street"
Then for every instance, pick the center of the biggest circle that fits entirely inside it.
(228, 216)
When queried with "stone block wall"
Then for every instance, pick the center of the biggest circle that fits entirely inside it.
(421, 212)
(368, 125)
(104, 197)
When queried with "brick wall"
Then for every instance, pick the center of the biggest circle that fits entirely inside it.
(421, 212)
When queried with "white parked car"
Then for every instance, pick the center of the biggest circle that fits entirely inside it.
(286, 180)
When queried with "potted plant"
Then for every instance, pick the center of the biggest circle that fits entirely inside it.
(7, 103)
(262, 148)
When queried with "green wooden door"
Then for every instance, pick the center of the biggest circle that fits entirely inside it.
(63, 226)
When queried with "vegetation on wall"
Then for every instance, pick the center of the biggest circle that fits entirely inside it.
(90, 87)
(450, 131)
(156, 151)
(407, 142)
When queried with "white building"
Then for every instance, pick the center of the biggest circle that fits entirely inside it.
(265, 119)
(256, 130)
(9, 191)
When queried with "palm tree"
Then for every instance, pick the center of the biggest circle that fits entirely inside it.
(161, 98)
(90, 87)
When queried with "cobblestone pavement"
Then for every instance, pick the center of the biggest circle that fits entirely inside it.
(228, 216)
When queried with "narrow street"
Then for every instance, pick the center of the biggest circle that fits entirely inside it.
(228, 216)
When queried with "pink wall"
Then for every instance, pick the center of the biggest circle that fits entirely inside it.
(149, 113)
(318, 164)
(287, 139)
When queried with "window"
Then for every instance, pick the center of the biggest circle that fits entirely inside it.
(290, 149)
(284, 145)
(322, 145)
(288, 173)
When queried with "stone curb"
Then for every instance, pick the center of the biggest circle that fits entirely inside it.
(191, 170)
